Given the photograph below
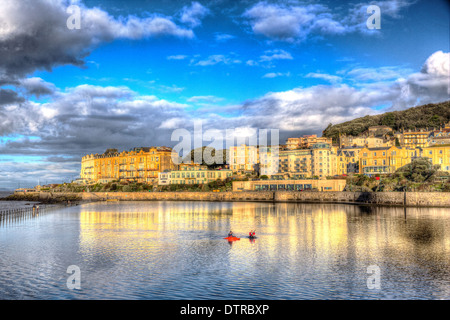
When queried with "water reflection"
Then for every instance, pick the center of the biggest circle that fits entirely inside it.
(176, 250)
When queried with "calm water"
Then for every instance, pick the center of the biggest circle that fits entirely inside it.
(175, 250)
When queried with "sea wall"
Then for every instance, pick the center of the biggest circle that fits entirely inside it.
(421, 199)
(181, 196)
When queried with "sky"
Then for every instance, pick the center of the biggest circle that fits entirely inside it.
(132, 73)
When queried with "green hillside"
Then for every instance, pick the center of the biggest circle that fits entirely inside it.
(426, 116)
(206, 153)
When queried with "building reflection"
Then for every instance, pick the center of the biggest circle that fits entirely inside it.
(292, 238)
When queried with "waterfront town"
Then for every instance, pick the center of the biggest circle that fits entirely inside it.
(224, 158)
(302, 163)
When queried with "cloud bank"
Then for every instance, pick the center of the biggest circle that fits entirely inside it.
(36, 37)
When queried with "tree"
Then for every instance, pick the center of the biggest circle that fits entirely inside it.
(419, 170)
(111, 151)
(388, 120)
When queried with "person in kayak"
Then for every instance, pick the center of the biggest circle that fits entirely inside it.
(251, 234)
(230, 234)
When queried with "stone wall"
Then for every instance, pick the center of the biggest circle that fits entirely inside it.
(425, 199)
(421, 199)
(387, 198)
(428, 199)
(182, 196)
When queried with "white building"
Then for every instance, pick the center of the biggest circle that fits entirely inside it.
(164, 178)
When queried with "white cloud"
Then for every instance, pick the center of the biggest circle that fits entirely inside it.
(276, 74)
(277, 54)
(328, 77)
(173, 123)
(216, 59)
(432, 83)
(223, 37)
(293, 22)
(355, 20)
(438, 65)
(170, 89)
(205, 99)
(177, 57)
(193, 14)
(377, 74)
(290, 23)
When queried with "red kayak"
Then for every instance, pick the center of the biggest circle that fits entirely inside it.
(232, 238)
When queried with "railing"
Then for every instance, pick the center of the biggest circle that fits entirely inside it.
(14, 214)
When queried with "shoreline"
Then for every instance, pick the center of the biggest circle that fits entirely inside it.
(397, 199)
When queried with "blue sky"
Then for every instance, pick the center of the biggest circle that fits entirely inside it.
(138, 70)
(144, 65)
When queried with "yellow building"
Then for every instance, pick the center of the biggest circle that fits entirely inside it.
(139, 165)
(347, 161)
(384, 160)
(415, 138)
(439, 155)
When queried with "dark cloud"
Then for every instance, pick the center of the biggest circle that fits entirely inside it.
(59, 159)
(35, 36)
(37, 87)
(86, 119)
(8, 96)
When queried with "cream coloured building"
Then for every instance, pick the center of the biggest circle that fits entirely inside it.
(243, 158)
(291, 185)
(306, 141)
(199, 175)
